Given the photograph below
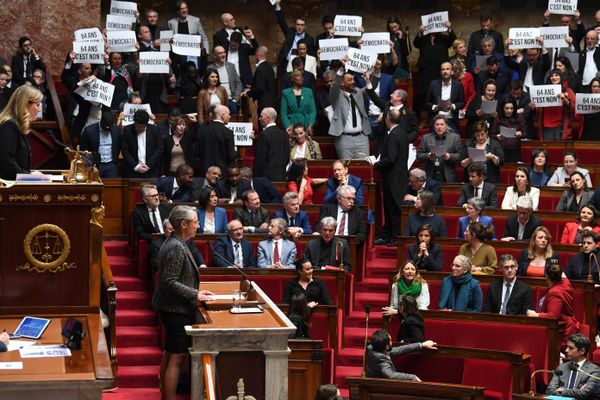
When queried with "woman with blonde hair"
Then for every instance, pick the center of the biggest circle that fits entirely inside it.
(538, 255)
(15, 152)
(408, 281)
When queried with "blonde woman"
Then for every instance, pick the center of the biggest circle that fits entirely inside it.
(15, 151)
(538, 255)
(408, 281)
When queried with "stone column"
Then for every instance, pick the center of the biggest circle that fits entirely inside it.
(276, 373)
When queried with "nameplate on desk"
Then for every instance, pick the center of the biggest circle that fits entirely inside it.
(45, 351)
(11, 365)
(248, 310)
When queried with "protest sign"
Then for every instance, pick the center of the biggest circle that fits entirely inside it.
(554, 36)
(333, 49)
(435, 22)
(347, 25)
(88, 35)
(89, 52)
(118, 23)
(97, 91)
(130, 109)
(545, 95)
(165, 40)
(154, 62)
(376, 42)
(587, 103)
(359, 60)
(123, 8)
(242, 133)
(524, 38)
(121, 41)
(187, 45)
(567, 7)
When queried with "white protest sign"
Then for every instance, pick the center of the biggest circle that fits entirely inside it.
(554, 36)
(123, 8)
(121, 41)
(347, 25)
(376, 42)
(118, 23)
(98, 91)
(333, 49)
(89, 52)
(587, 103)
(130, 109)
(359, 60)
(88, 35)
(187, 45)
(165, 40)
(545, 95)
(435, 22)
(242, 133)
(154, 62)
(524, 38)
(567, 7)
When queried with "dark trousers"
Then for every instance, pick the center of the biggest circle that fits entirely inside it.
(391, 225)
(108, 170)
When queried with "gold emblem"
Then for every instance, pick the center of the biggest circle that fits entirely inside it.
(95, 198)
(47, 198)
(23, 197)
(47, 248)
(69, 197)
(97, 216)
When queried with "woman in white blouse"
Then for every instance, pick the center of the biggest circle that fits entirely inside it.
(562, 175)
(408, 281)
(521, 187)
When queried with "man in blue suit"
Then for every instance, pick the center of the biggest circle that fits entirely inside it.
(263, 186)
(233, 248)
(178, 188)
(276, 252)
(297, 221)
(104, 141)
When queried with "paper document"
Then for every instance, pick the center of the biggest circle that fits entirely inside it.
(488, 107)
(221, 297)
(372, 159)
(247, 310)
(45, 351)
(438, 151)
(476, 154)
(19, 344)
(11, 365)
(508, 132)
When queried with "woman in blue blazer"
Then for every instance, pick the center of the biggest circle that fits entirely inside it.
(474, 208)
(211, 219)
(298, 103)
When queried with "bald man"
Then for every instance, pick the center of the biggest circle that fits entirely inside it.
(221, 38)
(217, 143)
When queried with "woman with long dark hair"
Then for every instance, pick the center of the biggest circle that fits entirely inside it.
(211, 94)
(509, 118)
(426, 254)
(299, 314)
(539, 173)
(587, 219)
(555, 121)
(299, 182)
(577, 196)
(521, 187)
(573, 81)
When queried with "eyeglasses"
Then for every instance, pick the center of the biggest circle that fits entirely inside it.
(153, 195)
(509, 267)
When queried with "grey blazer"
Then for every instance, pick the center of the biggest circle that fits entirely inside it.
(194, 27)
(235, 82)
(380, 365)
(585, 387)
(567, 198)
(341, 107)
(455, 148)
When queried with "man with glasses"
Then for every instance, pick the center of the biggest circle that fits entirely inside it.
(508, 295)
(233, 248)
(328, 250)
(25, 61)
(350, 220)
(521, 225)
(147, 217)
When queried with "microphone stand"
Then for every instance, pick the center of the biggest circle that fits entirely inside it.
(341, 254)
(590, 278)
(245, 283)
(367, 312)
(532, 383)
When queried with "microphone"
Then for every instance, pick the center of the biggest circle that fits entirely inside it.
(575, 367)
(367, 312)
(590, 278)
(245, 283)
(556, 372)
(341, 253)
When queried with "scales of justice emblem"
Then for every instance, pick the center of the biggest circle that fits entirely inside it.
(46, 248)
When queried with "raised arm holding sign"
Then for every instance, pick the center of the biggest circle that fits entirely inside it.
(348, 25)
(436, 22)
(564, 7)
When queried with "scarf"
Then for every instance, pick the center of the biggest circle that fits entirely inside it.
(455, 292)
(414, 289)
(124, 73)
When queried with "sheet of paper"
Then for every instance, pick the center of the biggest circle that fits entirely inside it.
(481, 62)
(488, 107)
(247, 310)
(19, 344)
(438, 150)
(476, 154)
(508, 132)
(221, 297)
(45, 351)
(11, 365)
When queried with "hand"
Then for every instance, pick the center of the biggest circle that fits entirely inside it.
(540, 40)
(192, 118)
(156, 42)
(446, 157)
(249, 34)
(431, 156)
(477, 69)
(507, 43)
(569, 40)
(278, 264)
(479, 113)
(203, 266)
(531, 106)
(577, 15)
(518, 134)
(313, 304)
(204, 295)
(421, 29)
(531, 313)
(343, 60)
(429, 344)
(367, 77)
(448, 25)
(389, 311)
(508, 239)
(264, 225)
(475, 268)
(417, 379)
(4, 338)
(547, 14)
(490, 156)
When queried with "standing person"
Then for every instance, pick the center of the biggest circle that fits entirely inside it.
(466, 80)
(442, 167)
(508, 117)
(400, 40)
(25, 61)
(229, 78)
(589, 60)
(215, 143)
(486, 31)
(298, 103)
(241, 47)
(445, 97)
(508, 295)
(494, 155)
(292, 36)
(555, 121)
(211, 94)
(5, 91)
(590, 126)
(187, 24)
(271, 155)
(143, 148)
(179, 147)
(303, 145)
(262, 88)
(15, 119)
(394, 170)
(474, 113)
(532, 68)
(177, 295)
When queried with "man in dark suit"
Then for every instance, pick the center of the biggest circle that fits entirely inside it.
(263, 83)
(328, 249)
(350, 220)
(417, 182)
(253, 217)
(292, 35)
(215, 145)
(394, 172)
(5, 91)
(328, 33)
(233, 248)
(104, 141)
(142, 162)
(477, 187)
(379, 363)
(147, 217)
(264, 187)
(297, 220)
(578, 267)
(239, 52)
(178, 188)
(575, 380)
(441, 168)
(508, 295)
(532, 68)
(589, 59)
(521, 225)
(231, 189)
(223, 36)
(496, 73)
(271, 154)
(440, 101)
(25, 62)
(485, 31)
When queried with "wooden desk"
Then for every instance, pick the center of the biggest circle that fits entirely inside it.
(81, 376)
(385, 389)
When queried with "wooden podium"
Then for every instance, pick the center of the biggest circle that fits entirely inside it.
(50, 266)
(249, 346)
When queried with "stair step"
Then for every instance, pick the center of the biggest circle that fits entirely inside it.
(351, 357)
(116, 248)
(341, 372)
(134, 336)
(144, 355)
(383, 252)
(130, 283)
(355, 337)
(122, 268)
(136, 317)
(378, 285)
(380, 272)
(141, 376)
(133, 300)
(375, 300)
(356, 319)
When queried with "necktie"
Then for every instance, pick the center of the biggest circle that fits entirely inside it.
(353, 105)
(155, 221)
(555, 53)
(505, 299)
(476, 191)
(342, 224)
(276, 254)
(573, 377)
(291, 221)
(238, 259)
(253, 218)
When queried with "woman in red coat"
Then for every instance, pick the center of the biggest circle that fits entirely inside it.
(555, 121)
(466, 79)
(586, 220)
(558, 301)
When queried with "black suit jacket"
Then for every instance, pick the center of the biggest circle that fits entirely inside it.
(224, 248)
(221, 38)
(272, 154)
(20, 76)
(243, 215)
(224, 190)
(214, 146)
(582, 60)
(154, 151)
(90, 141)
(183, 194)
(579, 266)
(539, 68)
(357, 222)
(15, 151)
(512, 227)
(141, 220)
(186, 143)
(312, 251)
(290, 35)
(266, 191)
(434, 93)
(432, 186)
(263, 87)
(489, 194)
(520, 300)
